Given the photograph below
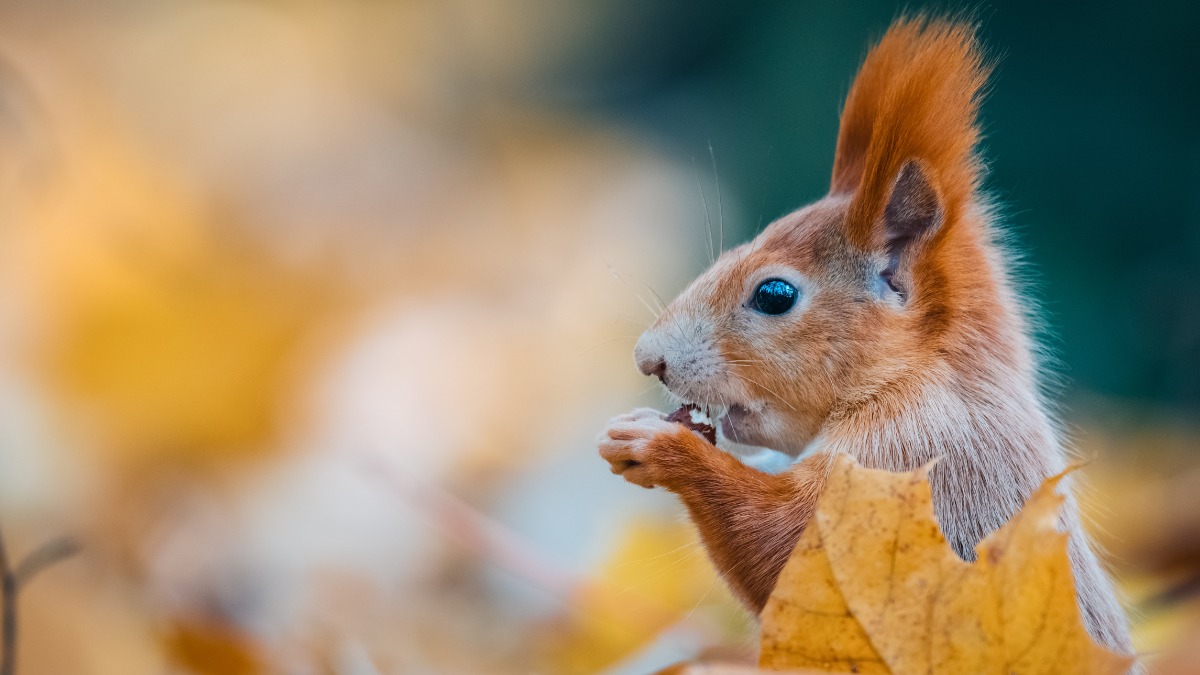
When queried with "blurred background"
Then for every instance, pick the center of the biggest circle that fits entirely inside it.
(310, 311)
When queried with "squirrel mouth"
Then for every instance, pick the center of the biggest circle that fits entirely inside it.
(729, 419)
(697, 419)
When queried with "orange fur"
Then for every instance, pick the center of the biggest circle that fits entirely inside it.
(908, 343)
(915, 97)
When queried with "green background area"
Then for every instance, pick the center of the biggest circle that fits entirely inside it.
(1092, 140)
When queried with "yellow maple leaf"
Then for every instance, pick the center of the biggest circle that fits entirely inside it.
(873, 587)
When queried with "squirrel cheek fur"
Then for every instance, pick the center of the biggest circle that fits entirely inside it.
(909, 344)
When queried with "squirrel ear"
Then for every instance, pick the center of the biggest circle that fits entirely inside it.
(913, 213)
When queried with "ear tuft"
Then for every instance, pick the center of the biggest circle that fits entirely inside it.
(916, 98)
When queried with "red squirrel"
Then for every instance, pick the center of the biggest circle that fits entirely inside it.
(880, 321)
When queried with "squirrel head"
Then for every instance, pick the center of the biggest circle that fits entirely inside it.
(833, 303)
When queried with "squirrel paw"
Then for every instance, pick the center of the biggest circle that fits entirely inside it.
(645, 449)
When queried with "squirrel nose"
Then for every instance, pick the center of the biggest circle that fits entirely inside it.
(657, 369)
(649, 357)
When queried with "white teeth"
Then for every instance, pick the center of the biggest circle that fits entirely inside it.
(707, 414)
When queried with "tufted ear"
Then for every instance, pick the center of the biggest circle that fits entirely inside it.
(913, 213)
(915, 99)
(868, 100)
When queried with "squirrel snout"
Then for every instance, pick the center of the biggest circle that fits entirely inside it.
(649, 360)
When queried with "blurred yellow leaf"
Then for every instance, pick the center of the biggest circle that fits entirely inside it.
(873, 587)
(206, 648)
(721, 668)
(174, 330)
(657, 576)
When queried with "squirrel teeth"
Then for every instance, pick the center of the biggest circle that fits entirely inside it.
(696, 419)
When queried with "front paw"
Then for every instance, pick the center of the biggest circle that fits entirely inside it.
(647, 450)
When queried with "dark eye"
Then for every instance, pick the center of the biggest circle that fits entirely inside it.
(774, 296)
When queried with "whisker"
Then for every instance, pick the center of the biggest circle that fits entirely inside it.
(654, 575)
(707, 216)
(762, 205)
(617, 275)
(699, 602)
(677, 549)
(658, 297)
(608, 341)
(650, 387)
(720, 202)
(677, 332)
(649, 308)
(637, 324)
(769, 391)
(662, 305)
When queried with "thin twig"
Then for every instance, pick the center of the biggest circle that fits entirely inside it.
(13, 579)
(8, 613)
(53, 551)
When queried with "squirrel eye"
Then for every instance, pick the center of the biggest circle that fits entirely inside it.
(774, 296)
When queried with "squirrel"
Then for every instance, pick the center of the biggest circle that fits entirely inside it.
(880, 321)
